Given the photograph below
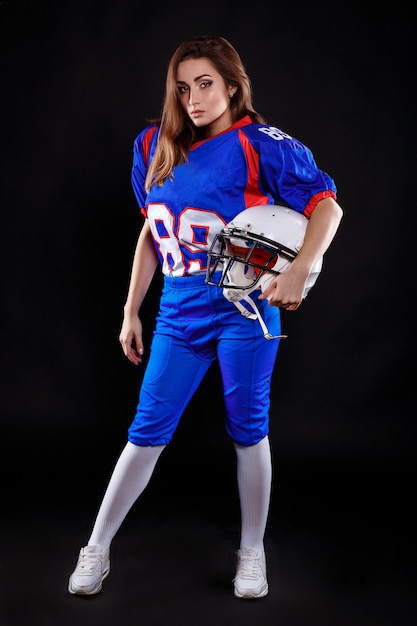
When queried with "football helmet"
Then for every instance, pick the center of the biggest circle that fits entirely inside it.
(258, 244)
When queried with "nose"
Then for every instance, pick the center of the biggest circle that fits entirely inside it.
(193, 97)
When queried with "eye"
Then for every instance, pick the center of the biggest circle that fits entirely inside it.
(205, 83)
(182, 88)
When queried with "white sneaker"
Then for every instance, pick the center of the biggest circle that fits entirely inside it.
(92, 568)
(250, 580)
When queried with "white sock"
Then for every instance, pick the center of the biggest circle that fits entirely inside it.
(130, 476)
(254, 474)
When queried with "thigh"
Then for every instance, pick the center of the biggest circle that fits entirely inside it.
(172, 375)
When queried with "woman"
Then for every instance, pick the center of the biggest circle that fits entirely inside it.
(210, 156)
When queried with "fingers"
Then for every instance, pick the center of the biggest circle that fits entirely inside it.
(292, 306)
(134, 355)
(267, 291)
(288, 306)
(282, 294)
(132, 349)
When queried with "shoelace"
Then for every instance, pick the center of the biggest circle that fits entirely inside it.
(249, 567)
(88, 563)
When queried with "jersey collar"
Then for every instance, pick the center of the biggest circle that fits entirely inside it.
(244, 121)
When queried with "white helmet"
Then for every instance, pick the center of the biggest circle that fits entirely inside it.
(258, 244)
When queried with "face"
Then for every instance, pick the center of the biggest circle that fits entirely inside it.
(204, 95)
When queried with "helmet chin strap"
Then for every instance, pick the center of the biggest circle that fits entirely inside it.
(253, 316)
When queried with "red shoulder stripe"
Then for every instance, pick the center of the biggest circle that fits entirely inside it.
(253, 195)
(146, 144)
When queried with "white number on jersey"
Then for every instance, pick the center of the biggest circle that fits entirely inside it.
(274, 133)
(183, 247)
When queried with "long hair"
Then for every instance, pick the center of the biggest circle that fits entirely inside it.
(177, 133)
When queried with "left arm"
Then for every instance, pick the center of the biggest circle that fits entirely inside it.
(287, 289)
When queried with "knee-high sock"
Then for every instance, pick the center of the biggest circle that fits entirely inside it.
(254, 474)
(130, 476)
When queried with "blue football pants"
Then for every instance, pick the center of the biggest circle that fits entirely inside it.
(195, 325)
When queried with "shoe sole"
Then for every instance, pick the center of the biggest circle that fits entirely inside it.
(80, 591)
(247, 595)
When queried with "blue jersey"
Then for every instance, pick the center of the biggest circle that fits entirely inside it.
(246, 165)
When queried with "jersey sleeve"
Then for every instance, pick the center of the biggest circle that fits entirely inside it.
(141, 157)
(300, 183)
(288, 170)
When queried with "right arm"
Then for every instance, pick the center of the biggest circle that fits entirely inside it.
(145, 262)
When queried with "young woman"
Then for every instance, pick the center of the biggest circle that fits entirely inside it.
(210, 156)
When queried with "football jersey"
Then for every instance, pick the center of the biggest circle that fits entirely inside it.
(246, 165)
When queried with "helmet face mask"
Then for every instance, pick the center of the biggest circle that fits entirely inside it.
(259, 243)
(244, 260)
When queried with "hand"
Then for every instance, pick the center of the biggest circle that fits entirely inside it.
(131, 338)
(285, 291)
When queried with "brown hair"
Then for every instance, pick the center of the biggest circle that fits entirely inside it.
(177, 133)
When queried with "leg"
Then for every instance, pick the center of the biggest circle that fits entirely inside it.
(166, 390)
(247, 389)
(171, 378)
(254, 474)
(246, 384)
(130, 477)
(254, 482)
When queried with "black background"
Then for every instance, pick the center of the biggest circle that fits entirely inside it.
(79, 81)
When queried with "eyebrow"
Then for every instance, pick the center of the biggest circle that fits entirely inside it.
(182, 82)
